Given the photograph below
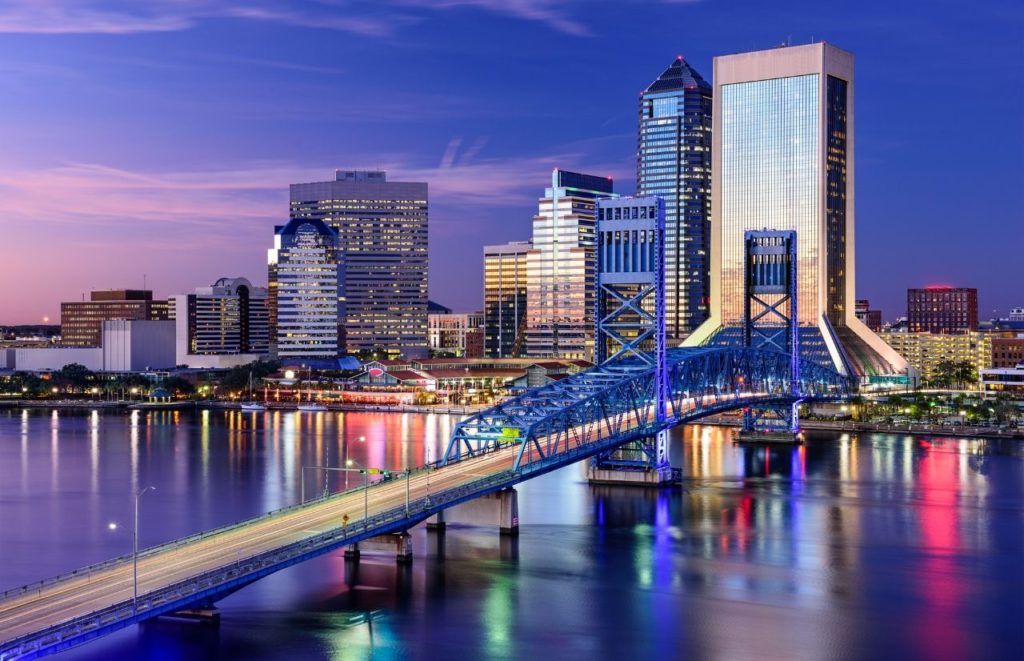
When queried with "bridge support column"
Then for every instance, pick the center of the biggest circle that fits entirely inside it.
(401, 542)
(640, 477)
(436, 522)
(643, 462)
(508, 511)
(499, 507)
(207, 615)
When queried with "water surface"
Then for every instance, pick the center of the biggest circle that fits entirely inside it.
(850, 547)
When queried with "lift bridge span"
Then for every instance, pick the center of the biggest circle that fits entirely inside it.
(578, 417)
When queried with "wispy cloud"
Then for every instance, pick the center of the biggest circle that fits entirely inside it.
(107, 17)
(549, 12)
(372, 19)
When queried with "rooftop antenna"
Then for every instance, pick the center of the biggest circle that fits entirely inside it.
(143, 281)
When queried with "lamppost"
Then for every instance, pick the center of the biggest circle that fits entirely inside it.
(135, 551)
(366, 488)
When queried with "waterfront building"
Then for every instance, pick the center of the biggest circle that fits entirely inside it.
(783, 159)
(560, 268)
(382, 256)
(223, 325)
(870, 318)
(125, 345)
(1007, 349)
(505, 299)
(304, 285)
(925, 351)
(81, 321)
(451, 334)
(942, 309)
(1003, 382)
(673, 161)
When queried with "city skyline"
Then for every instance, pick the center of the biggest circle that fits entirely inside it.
(99, 163)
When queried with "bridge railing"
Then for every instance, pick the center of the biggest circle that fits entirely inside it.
(36, 586)
(182, 593)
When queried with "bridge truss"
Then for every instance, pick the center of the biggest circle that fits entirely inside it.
(613, 404)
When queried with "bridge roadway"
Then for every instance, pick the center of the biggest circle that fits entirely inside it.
(64, 601)
(53, 615)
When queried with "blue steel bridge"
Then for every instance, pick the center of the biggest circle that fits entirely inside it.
(582, 416)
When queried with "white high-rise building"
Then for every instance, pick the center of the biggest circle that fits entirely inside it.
(782, 159)
(560, 268)
(304, 290)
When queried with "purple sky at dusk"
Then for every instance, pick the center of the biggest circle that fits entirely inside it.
(160, 137)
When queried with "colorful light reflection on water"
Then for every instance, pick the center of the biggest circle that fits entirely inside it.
(850, 546)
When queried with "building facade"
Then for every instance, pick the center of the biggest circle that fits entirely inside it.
(1004, 382)
(81, 321)
(505, 299)
(223, 325)
(1007, 351)
(942, 309)
(382, 246)
(673, 161)
(870, 318)
(449, 334)
(783, 159)
(925, 351)
(126, 345)
(303, 270)
(560, 268)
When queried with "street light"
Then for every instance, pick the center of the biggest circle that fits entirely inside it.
(366, 488)
(135, 551)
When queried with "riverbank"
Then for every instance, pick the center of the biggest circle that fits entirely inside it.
(958, 431)
(962, 431)
(91, 405)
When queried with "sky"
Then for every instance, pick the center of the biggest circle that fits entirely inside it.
(154, 141)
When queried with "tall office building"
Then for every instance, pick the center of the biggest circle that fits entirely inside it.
(942, 309)
(505, 299)
(303, 269)
(382, 243)
(782, 159)
(673, 160)
(81, 322)
(222, 325)
(560, 268)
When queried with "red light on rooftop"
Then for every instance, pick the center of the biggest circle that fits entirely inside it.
(937, 287)
(679, 57)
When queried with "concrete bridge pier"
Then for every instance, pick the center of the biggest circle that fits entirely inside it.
(501, 507)
(640, 477)
(634, 464)
(400, 542)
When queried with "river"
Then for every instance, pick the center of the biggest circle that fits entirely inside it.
(848, 547)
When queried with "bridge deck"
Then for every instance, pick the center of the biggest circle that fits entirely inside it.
(50, 605)
(551, 427)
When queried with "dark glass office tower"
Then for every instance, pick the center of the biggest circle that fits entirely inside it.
(673, 160)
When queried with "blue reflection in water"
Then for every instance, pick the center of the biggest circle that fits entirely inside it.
(876, 545)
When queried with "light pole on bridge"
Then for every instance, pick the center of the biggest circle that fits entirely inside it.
(135, 551)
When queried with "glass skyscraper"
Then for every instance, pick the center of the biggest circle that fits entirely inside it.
(560, 268)
(674, 161)
(382, 245)
(303, 274)
(505, 299)
(783, 160)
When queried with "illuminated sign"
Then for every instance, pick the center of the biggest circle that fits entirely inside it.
(375, 371)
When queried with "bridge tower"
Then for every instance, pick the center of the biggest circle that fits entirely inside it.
(629, 322)
(770, 317)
